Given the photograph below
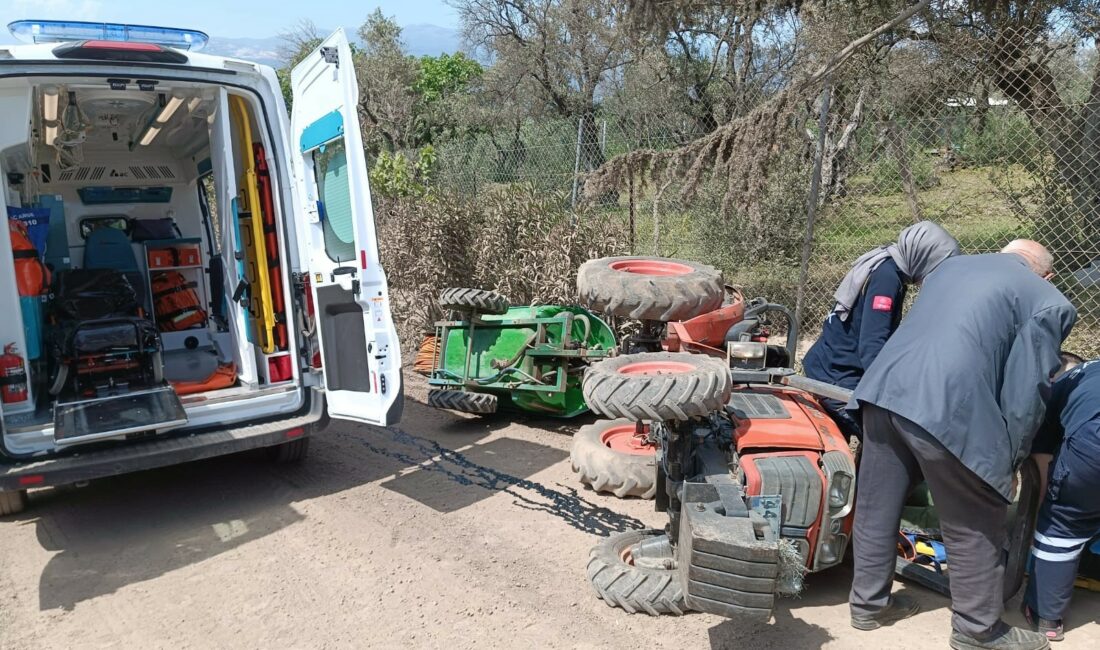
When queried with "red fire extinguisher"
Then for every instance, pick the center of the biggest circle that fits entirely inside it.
(13, 379)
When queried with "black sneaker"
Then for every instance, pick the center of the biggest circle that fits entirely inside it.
(1052, 630)
(1014, 638)
(900, 607)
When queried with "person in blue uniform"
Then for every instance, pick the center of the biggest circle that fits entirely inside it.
(1069, 517)
(868, 309)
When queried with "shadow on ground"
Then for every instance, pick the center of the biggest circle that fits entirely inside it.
(132, 528)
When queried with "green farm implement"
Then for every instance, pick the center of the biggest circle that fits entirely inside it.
(531, 358)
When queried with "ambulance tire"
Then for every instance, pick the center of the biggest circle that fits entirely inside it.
(12, 502)
(289, 452)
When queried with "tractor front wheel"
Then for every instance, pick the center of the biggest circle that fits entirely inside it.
(622, 583)
(460, 400)
(482, 301)
(614, 456)
(657, 386)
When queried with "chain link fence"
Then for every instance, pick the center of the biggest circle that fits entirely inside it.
(988, 160)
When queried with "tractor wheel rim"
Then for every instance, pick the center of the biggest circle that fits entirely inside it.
(656, 368)
(651, 267)
(624, 438)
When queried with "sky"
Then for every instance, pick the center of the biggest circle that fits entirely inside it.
(230, 18)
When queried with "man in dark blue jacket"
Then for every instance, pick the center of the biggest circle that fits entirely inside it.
(868, 309)
(1070, 515)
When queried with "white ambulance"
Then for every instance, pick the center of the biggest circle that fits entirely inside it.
(190, 271)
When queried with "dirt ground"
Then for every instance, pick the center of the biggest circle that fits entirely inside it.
(441, 532)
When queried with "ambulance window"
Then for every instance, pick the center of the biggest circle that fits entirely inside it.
(331, 170)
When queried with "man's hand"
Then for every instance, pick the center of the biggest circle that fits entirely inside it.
(1042, 461)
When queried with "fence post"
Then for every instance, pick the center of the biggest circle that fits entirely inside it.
(577, 161)
(811, 214)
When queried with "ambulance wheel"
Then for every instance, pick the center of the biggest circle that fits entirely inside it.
(59, 379)
(12, 502)
(289, 452)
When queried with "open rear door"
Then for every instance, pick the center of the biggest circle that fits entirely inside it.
(359, 348)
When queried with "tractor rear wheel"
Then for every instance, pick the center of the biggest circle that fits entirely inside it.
(466, 402)
(610, 457)
(482, 301)
(649, 288)
(620, 583)
(657, 386)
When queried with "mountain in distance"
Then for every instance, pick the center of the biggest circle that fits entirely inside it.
(420, 40)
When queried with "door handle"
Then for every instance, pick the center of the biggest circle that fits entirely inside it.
(348, 270)
(343, 270)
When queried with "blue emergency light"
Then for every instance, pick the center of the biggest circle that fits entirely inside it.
(62, 31)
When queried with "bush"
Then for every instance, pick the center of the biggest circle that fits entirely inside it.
(513, 239)
(885, 174)
(1006, 138)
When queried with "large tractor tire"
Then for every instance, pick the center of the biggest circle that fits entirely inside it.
(458, 400)
(481, 301)
(1020, 528)
(620, 583)
(649, 288)
(609, 457)
(657, 386)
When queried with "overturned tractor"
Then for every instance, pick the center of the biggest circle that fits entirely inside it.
(757, 480)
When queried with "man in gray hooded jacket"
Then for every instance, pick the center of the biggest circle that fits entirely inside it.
(956, 396)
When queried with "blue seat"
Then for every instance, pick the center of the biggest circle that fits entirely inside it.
(110, 248)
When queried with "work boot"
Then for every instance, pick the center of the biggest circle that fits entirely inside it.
(1013, 638)
(900, 607)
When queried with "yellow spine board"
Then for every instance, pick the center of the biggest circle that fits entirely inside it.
(252, 233)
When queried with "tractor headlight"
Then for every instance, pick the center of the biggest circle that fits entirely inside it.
(839, 488)
(747, 355)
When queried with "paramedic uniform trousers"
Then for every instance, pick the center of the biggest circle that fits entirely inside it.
(1068, 519)
(896, 454)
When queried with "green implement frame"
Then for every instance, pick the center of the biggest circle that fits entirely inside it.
(532, 358)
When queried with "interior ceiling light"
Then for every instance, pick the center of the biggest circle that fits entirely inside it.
(51, 134)
(193, 104)
(150, 134)
(169, 110)
(165, 114)
(49, 103)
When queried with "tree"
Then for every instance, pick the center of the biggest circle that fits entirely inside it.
(556, 56)
(387, 76)
(441, 85)
(748, 150)
(297, 42)
(1022, 50)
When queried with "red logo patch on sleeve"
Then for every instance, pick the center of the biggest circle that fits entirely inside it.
(882, 303)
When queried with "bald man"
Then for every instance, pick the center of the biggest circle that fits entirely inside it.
(956, 396)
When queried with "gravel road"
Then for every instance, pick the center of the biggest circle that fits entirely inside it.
(444, 531)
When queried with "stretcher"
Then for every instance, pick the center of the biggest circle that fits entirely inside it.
(271, 245)
(250, 225)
